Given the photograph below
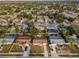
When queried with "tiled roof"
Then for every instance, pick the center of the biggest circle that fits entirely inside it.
(39, 40)
(23, 39)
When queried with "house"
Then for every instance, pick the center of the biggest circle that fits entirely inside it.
(56, 39)
(51, 26)
(51, 29)
(39, 41)
(67, 14)
(24, 25)
(3, 22)
(75, 22)
(40, 26)
(66, 23)
(23, 39)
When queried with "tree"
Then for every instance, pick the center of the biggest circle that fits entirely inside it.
(34, 31)
(70, 39)
(2, 32)
(71, 19)
(16, 29)
(24, 15)
(65, 32)
(3, 13)
(50, 16)
(60, 18)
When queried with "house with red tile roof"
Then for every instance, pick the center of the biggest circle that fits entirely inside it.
(23, 39)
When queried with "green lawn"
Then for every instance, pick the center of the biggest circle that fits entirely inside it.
(6, 48)
(75, 49)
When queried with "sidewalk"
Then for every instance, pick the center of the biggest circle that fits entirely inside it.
(45, 51)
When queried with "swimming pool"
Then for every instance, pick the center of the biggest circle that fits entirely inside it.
(9, 38)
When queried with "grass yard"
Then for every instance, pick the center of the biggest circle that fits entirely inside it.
(37, 50)
(6, 48)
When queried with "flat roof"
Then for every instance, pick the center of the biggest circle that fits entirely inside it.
(56, 39)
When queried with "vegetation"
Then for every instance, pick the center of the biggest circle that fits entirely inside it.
(24, 15)
(6, 48)
(33, 31)
(70, 39)
(75, 48)
(65, 32)
(60, 18)
(12, 15)
(37, 50)
(71, 19)
(2, 32)
(16, 48)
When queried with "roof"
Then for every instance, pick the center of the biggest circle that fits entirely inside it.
(56, 39)
(23, 39)
(51, 30)
(39, 40)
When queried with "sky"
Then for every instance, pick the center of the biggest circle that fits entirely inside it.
(39, 0)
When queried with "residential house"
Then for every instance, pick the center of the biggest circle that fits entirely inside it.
(23, 39)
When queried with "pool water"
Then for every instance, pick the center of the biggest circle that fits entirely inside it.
(9, 38)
